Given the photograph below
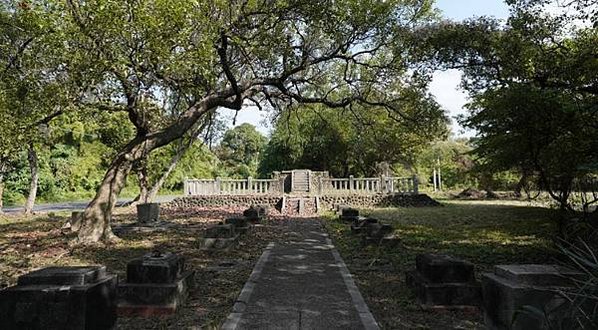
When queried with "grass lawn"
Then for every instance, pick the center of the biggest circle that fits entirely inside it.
(34, 242)
(483, 232)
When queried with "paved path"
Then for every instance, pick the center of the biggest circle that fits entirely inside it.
(76, 206)
(301, 284)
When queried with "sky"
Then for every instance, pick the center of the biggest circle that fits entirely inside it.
(444, 86)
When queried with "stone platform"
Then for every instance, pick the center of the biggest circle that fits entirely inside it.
(157, 284)
(511, 287)
(60, 298)
(442, 281)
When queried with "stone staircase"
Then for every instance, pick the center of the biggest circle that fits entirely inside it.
(300, 181)
(300, 206)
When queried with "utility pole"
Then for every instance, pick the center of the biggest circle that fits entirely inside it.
(439, 176)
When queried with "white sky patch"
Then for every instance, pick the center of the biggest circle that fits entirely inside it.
(249, 114)
(445, 87)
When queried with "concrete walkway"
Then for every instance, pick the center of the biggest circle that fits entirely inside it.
(301, 284)
(77, 205)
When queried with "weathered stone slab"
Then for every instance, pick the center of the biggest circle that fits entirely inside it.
(256, 213)
(511, 287)
(221, 236)
(376, 230)
(155, 267)
(241, 224)
(149, 299)
(80, 298)
(80, 275)
(540, 275)
(349, 214)
(440, 268)
(432, 294)
(359, 225)
(444, 281)
(157, 284)
(220, 231)
(149, 212)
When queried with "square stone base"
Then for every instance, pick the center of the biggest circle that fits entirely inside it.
(151, 299)
(504, 300)
(387, 241)
(219, 243)
(448, 295)
(46, 306)
(148, 213)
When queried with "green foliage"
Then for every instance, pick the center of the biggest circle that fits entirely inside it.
(351, 142)
(240, 150)
(484, 233)
(533, 91)
(454, 160)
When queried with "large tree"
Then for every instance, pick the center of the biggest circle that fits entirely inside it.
(228, 54)
(35, 84)
(354, 141)
(533, 84)
(241, 148)
(169, 64)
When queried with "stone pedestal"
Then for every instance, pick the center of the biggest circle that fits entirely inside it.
(359, 225)
(241, 224)
(338, 208)
(60, 298)
(380, 234)
(444, 281)
(148, 213)
(511, 287)
(349, 214)
(157, 284)
(220, 236)
(256, 213)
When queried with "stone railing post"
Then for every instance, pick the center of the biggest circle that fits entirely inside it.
(186, 187)
(351, 182)
(249, 183)
(382, 188)
(320, 186)
(217, 186)
(415, 185)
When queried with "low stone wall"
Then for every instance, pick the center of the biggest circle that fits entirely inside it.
(370, 201)
(222, 200)
(326, 202)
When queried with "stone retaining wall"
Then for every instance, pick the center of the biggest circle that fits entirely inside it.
(368, 201)
(222, 200)
(326, 202)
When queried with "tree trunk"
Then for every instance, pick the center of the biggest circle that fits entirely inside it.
(143, 185)
(33, 166)
(1, 191)
(95, 225)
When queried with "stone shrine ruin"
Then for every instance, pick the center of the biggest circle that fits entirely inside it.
(302, 192)
(60, 298)
(444, 281)
(511, 287)
(157, 284)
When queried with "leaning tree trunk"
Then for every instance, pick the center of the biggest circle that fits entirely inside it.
(143, 185)
(33, 166)
(95, 225)
(1, 191)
